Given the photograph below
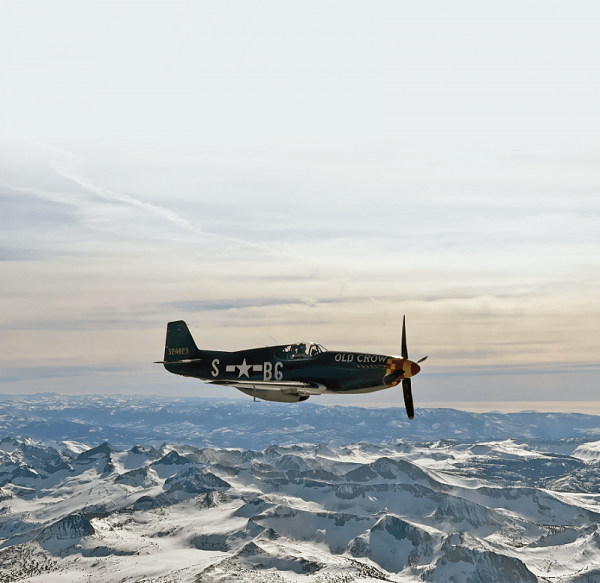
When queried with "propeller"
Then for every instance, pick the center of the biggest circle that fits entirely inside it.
(403, 370)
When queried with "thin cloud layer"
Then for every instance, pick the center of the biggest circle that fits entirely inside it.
(487, 280)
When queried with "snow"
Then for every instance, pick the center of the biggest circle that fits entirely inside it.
(588, 451)
(483, 510)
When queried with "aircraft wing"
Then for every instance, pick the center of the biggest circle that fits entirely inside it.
(293, 387)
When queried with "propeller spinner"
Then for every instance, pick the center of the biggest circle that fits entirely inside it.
(402, 370)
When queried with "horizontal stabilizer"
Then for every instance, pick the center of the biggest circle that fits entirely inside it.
(186, 361)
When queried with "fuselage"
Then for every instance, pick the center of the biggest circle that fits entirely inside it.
(338, 372)
(289, 372)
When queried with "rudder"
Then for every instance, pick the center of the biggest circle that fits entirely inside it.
(179, 344)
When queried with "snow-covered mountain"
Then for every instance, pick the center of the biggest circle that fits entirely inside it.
(504, 509)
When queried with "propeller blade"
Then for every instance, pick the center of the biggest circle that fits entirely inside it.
(422, 359)
(392, 378)
(408, 400)
(404, 348)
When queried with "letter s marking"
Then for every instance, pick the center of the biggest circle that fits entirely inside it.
(215, 372)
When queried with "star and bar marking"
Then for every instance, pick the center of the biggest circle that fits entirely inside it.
(244, 368)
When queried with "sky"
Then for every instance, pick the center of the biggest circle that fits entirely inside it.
(308, 171)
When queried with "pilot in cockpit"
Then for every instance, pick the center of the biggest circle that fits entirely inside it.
(300, 350)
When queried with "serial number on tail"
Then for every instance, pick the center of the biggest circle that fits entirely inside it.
(177, 351)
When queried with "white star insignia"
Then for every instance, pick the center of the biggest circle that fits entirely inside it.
(244, 369)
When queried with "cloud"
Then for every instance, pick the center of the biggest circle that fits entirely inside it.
(24, 254)
(68, 324)
(332, 251)
(228, 304)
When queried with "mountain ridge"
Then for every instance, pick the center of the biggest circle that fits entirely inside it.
(310, 507)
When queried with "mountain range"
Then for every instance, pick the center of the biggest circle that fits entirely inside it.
(242, 492)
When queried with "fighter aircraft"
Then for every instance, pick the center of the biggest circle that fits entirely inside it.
(290, 372)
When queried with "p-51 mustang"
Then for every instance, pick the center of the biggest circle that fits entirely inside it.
(292, 372)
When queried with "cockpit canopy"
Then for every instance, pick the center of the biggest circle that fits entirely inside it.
(301, 350)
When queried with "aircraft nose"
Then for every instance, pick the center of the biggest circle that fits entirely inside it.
(414, 368)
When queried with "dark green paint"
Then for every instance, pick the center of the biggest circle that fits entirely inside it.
(341, 372)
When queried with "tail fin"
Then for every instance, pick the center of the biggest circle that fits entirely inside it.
(179, 344)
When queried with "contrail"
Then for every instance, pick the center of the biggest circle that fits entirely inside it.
(62, 170)
(60, 164)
